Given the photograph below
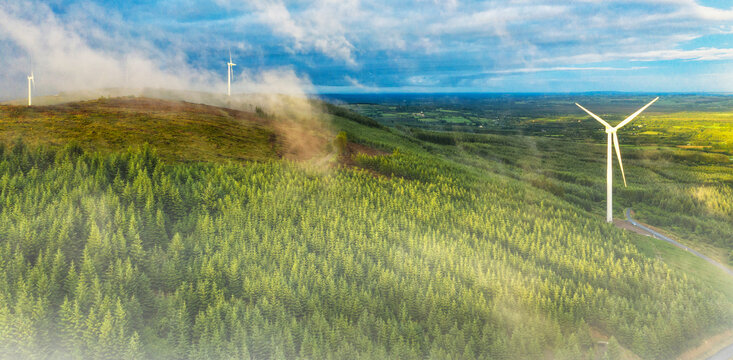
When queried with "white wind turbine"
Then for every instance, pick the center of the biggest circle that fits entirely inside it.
(33, 81)
(229, 77)
(613, 142)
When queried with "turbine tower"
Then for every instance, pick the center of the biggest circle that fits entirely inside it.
(613, 143)
(229, 77)
(33, 81)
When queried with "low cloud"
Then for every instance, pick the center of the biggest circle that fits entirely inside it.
(81, 54)
(63, 58)
(565, 68)
(703, 54)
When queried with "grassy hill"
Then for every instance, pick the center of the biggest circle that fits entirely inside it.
(179, 131)
(425, 248)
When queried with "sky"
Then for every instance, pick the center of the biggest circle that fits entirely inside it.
(347, 46)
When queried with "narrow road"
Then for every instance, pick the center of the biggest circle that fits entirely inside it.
(675, 243)
(725, 354)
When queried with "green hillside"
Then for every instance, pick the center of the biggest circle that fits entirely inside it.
(678, 154)
(438, 246)
(178, 130)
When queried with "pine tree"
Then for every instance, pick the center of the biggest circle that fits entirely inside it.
(614, 349)
(132, 350)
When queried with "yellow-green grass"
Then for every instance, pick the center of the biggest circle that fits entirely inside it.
(455, 119)
(713, 251)
(179, 131)
(686, 263)
(709, 129)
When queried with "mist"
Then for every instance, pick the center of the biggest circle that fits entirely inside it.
(79, 57)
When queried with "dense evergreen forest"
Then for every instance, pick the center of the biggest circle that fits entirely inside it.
(678, 154)
(122, 255)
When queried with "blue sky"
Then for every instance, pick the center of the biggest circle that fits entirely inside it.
(378, 46)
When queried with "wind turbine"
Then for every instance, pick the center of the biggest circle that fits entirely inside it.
(613, 142)
(30, 80)
(229, 77)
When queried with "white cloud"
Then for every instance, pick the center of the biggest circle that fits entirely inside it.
(64, 59)
(565, 68)
(319, 27)
(495, 19)
(700, 54)
(353, 82)
(499, 34)
(705, 12)
(422, 80)
(79, 54)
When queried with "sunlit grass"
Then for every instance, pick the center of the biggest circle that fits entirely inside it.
(190, 133)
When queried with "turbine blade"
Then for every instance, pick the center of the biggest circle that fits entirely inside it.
(618, 154)
(594, 116)
(632, 116)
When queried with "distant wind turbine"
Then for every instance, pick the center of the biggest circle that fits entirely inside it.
(229, 77)
(613, 142)
(33, 81)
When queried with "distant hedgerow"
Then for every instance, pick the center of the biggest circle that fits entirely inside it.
(348, 114)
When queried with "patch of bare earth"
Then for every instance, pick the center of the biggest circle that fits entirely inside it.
(623, 224)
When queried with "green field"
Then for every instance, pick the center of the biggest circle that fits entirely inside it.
(448, 245)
